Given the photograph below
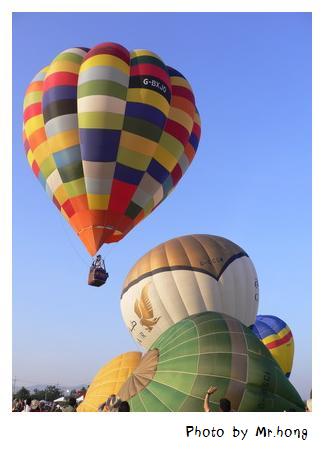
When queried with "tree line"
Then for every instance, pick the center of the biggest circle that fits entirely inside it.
(49, 393)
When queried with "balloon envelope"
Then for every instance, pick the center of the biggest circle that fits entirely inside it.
(184, 276)
(109, 380)
(109, 133)
(203, 350)
(277, 337)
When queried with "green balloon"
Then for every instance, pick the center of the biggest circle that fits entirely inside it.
(203, 350)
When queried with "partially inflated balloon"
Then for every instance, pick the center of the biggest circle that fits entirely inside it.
(277, 337)
(109, 380)
(184, 276)
(203, 350)
(109, 133)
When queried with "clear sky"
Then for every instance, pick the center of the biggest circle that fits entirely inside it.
(250, 182)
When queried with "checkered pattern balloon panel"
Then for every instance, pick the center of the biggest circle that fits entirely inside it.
(109, 133)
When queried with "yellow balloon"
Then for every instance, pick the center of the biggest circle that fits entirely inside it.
(109, 380)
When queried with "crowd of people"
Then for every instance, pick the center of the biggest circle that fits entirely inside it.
(29, 405)
(113, 404)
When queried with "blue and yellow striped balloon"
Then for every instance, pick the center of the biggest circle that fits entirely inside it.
(277, 337)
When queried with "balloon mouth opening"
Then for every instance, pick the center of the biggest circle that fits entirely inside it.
(141, 376)
(94, 236)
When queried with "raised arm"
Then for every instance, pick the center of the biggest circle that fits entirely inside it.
(210, 391)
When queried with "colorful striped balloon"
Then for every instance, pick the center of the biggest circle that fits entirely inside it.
(109, 133)
(277, 337)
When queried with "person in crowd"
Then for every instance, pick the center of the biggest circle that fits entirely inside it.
(56, 408)
(17, 407)
(27, 407)
(224, 403)
(124, 406)
(103, 407)
(111, 404)
(34, 406)
(308, 407)
(42, 406)
(71, 407)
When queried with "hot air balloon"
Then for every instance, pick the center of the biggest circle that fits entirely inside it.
(109, 133)
(109, 380)
(209, 349)
(184, 276)
(277, 337)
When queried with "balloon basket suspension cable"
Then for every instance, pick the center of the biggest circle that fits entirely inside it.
(72, 244)
(98, 274)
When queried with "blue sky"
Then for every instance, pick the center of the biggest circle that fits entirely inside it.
(250, 182)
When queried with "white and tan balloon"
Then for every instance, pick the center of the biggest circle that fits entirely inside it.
(185, 276)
